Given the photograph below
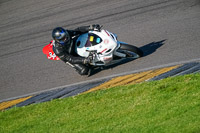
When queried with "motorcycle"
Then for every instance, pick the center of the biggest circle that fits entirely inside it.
(102, 46)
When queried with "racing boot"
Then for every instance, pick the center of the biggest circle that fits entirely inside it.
(82, 69)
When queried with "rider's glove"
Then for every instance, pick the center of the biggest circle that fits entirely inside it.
(95, 27)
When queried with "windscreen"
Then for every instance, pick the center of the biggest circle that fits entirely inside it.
(93, 40)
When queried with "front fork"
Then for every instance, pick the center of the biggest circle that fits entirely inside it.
(96, 58)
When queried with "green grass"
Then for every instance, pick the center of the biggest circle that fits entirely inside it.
(171, 105)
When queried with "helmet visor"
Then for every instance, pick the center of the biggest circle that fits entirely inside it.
(64, 40)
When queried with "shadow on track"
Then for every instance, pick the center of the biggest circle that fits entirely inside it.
(147, 50)
(151, 47)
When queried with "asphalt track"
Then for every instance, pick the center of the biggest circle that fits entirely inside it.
(166, 30)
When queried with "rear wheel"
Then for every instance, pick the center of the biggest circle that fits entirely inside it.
(130, 51)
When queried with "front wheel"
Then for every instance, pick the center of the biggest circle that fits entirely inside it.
(130, 51)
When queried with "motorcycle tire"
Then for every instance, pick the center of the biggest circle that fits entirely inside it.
(130, 51)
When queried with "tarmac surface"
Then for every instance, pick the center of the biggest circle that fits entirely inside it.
(166, 30)
(104, 83)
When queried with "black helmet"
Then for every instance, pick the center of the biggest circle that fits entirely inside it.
(61, 36)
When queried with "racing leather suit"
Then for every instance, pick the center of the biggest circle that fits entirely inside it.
(67, 52)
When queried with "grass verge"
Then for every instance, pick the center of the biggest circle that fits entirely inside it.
(169, 105)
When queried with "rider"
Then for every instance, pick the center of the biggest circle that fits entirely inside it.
(64, 47)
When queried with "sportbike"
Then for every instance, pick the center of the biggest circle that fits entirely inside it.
(102, 46)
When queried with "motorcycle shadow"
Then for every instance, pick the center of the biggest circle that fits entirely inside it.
(147, 50)
(151, 47)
